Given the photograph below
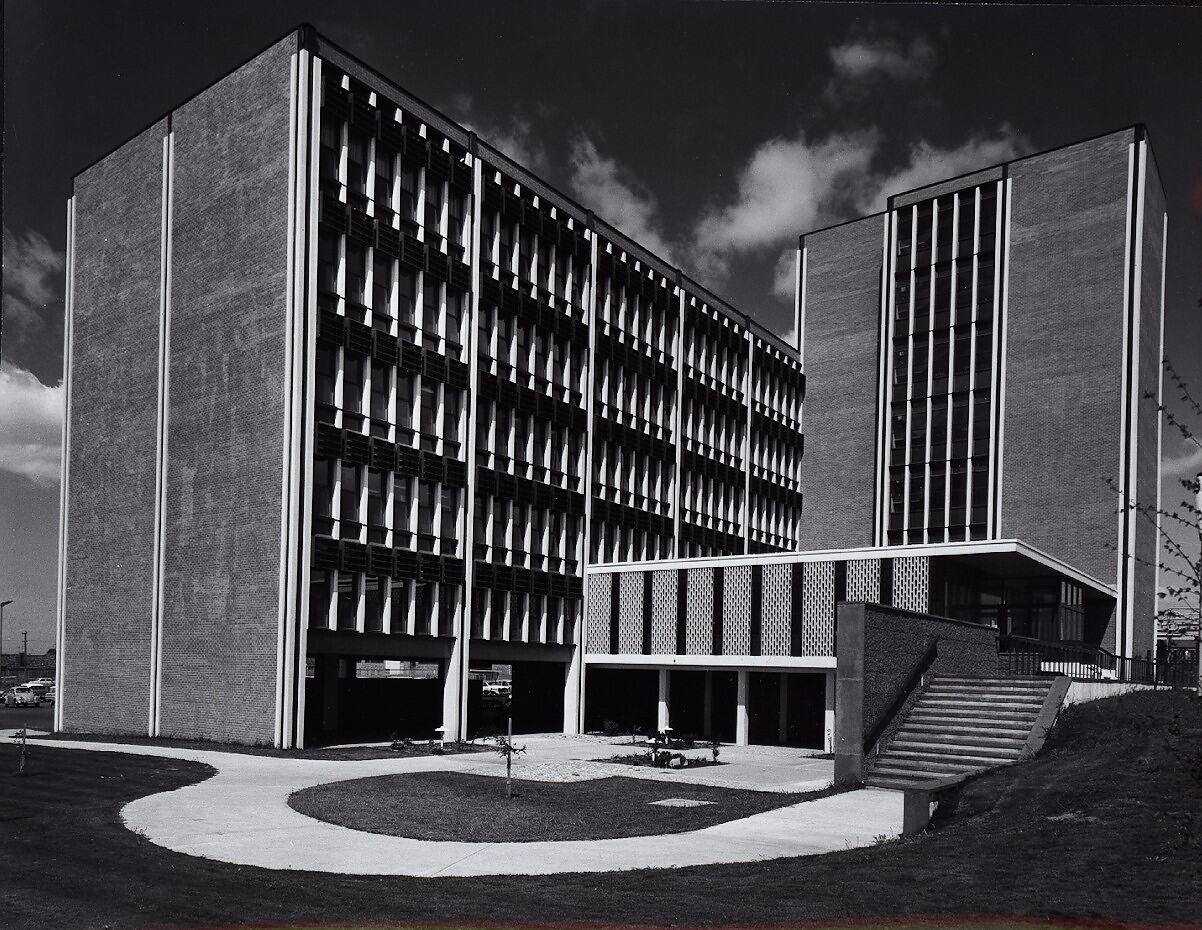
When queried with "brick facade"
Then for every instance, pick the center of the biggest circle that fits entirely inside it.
(226, 415)
(114, 389)
(1063, 417)
(841, 347)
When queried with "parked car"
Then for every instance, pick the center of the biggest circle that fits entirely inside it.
(50, 695)
(22, 696)
(499, 690)
(40, 685)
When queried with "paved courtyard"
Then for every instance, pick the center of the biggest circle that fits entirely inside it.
(241, 815)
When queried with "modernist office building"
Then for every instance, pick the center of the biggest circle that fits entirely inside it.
(985, 363)
(346, 383)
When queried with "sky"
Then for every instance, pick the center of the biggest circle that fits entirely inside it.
(713, 133)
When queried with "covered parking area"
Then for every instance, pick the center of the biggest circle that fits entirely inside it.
(766, 703)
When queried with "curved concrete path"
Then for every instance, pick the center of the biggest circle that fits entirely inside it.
(241, 816)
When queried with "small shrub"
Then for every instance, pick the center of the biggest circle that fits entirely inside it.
(611, 728)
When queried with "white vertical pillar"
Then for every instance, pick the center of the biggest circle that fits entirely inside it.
(828, 724)
(741, 709)
(707, 725)
(665, 691)
(782, 732)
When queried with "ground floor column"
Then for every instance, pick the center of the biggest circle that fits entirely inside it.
(741, 710)
(707, 719)
(782, 730)
(328, 667)
(573, 693)
(665, 693)
(828, 739)
(454, 698)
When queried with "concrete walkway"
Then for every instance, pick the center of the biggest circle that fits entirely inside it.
(241, 815)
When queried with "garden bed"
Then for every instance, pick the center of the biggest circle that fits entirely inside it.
(473, 808)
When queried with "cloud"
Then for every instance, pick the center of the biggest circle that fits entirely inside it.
(32, 283)
(927, 163)
(867, 59)
(1185, 462)
(600, 184)
(515, 139)
(31, 416)
(784, 275)
(787, 186)
(792, 185)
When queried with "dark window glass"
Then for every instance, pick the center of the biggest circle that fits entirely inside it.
(384, 175)
(327, 262)
(379, 391)
(350, 495)
(331, 145)
(352, 383)
(381, 285)
(356, 272)
(401, 500)
(348, 601)
(404, 401)
(327, 372)
(356, 162)
(320, 592)
(373, 604)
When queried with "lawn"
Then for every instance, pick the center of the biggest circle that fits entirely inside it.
(1103, 824)
(473, 808)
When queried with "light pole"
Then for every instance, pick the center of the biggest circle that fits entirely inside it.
(3, 604)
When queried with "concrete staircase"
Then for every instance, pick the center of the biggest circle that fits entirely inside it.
(964, 725)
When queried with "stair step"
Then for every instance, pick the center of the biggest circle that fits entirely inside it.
(895, 782)
(965, 691)
(977, 704)
(960, 679)
(984, 696)
(968, 719)
(930, 742)
(937, 735)
(924, 772)
(948, 755)
(922, 761)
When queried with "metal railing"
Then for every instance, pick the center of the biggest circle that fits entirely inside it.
(1023, 656)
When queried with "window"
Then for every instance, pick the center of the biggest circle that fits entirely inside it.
(380, 374)
(356, 273)
(327, 262)
(320, 591)
(408, 199)
(331, 146)
(450, 415)
(349, 513)
(429, 411)
(374, 591)
(431, 307)
(381, 289)
(456, 311)
(352, 383)
(356, 163)
(348, 601)
(433, 218)
(323, 496)
(327, 373)
(426, 502)
(406, 298)
(384, 175)
(376, 533)
(401, 591)
(424, 619)
(404, 402)
(401, 502)
(450, 515)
